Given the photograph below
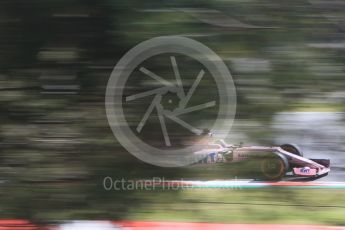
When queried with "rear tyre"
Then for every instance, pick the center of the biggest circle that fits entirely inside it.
(274, 167)
(292, 148)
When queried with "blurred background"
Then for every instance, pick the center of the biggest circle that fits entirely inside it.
(287, 60)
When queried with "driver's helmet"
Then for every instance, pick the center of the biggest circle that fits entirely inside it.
(207, 135)
(207, 132)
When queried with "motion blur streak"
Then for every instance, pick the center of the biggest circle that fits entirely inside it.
(132, 225)
(287, 60)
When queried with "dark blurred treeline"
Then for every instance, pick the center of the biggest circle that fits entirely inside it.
(56, 57)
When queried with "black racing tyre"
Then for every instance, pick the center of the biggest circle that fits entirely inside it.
(274, 167)
(292, 148)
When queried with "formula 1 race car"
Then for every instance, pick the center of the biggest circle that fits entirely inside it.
(273, 163)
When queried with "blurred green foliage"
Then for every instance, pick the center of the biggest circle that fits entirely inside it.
(56, 57)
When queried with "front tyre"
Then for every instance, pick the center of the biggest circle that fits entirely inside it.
(292, 148)
(274, 167)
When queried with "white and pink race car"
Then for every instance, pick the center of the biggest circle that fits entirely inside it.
(273, 162)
